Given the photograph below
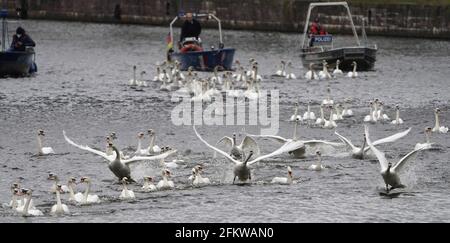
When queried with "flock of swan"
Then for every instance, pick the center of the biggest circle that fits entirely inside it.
(242, 155)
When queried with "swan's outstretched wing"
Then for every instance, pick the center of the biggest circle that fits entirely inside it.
(141, 158)
(87, 148)
(322, 142)
(249, 144)
(380, 156)
(215, 149)
(227, 141)
(276, 138)
(289, 146)
(411, 155)
(392, 138)
(345, 140)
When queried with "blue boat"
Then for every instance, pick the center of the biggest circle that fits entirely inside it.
(15, 63)
(199, 59)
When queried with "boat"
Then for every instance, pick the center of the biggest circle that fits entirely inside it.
(15, 63)
(198, 58)
(320, 47)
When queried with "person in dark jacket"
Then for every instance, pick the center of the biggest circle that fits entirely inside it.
(190, 28)
(21, 40)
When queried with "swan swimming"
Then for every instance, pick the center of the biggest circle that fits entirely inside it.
(165, 184)
(328, 100)
(330, 123)
(282, 71)
(360, 152)
(54, 177)
(397, 120)
(337, 71)
(318, 166)
(324, 74)
(133, 81)
(309, 115)
(26, 210)
(88, 198)
(76, 198)
(427, 144)
(148, 184)
(296, 115)
(120, 167)
(59, 208)
(353, 74)
(310, 75)
(126, 194)
(152, 147)
(437, 127)
(198, 180)
(43, 150)
(290, 75)
(240, 151)
(321, 120)
(346, 112)
(283, 180)
(389, 172)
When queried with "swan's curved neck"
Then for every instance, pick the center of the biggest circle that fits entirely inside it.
(294, 136)
(14, 201)
(152, 142)
(134, 74)
(309, 109)
(295, 111)
(354, 69)
(397, 115)
(86, 193)
(362, 148)
(58, 201)
(289, 178)
(139, 144)
(71, 192)
(321, 113)
(319, 160)
(39, 139)
(27, 205)
(331, 114)
(427, 137)
(436, 117)
(337, 65)
(125, 189)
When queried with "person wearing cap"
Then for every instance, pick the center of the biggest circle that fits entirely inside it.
(21, 40)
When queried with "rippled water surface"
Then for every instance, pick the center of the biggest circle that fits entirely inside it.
(82, 88)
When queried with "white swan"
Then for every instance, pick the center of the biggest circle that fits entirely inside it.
(216, 78)
(380, 113)
(152, 147)
(347, 112)
(353, 74)
(437, 127)
(311, 75)
(318, 166)
(173, 164)
(337, 115)
(309, 115)
(59, 208)
(324, 74)
(282, 71)
(139, 150)
(126, 194)
(15, 200)
(427, 144)
(120, 167)
(133, 81)
(397, 120)
(328, 100)
(148, 184)
(290, 75)
(158, 76)
(296, 115)
(389, 172)
(360, 152)
(88, 198)
(54, 177)
(165, 184)
(198, 180)
(370, 118)
(78, 197)
(330, 123)
(240, 151)
(26, 210)
(43, 150)
(283, 180)
(141, 82)
(337, 71)
(321, 120)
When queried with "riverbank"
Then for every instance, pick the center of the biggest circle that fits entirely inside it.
(430, 19)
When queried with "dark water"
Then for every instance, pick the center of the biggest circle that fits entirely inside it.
(81, 88)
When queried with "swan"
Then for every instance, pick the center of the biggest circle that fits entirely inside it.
(360, 152)
(310, 75)
(26, 210)
(283, 180)
(251, 93)
(152, 147)
(163, 164)
(337, 71)
(427, 144)
(353, 74)
(370, 118)
(241, 168)
(347, 112)
(294, 146)
(139, 150)
(158, 76)
(290, 75)
(216, 78)
(165, 184)
(142, 82)
(165, 80)
(119, 167)
(239, 152)
(309, 115)
(88, 198)
(437, 127)
(321, 120)
(397, 120)
(54, 177)
(59, 208)
(126, 194)
(324, 74)
(148, 184)
(43, 150)
(330, 123)
(15, 200)
(133, 81)
(281, 72)
(72, 196)
(389, 172)
(337, 116)
(318, 166)
(296, 115)
(198, 180)
(380, 114)
(328, 100)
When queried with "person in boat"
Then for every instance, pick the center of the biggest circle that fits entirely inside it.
(21, 40)
(316, 29)
(190, 28)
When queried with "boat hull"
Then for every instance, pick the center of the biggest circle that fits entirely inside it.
(17, 63)
(365, 58)
(205, 60)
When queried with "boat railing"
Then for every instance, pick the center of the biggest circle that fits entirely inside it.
(3, 15)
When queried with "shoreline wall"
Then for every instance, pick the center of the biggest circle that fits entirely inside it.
(386, 19)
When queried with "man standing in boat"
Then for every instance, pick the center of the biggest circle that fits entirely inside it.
(190, 28)
(21, 40)
(316, 29)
